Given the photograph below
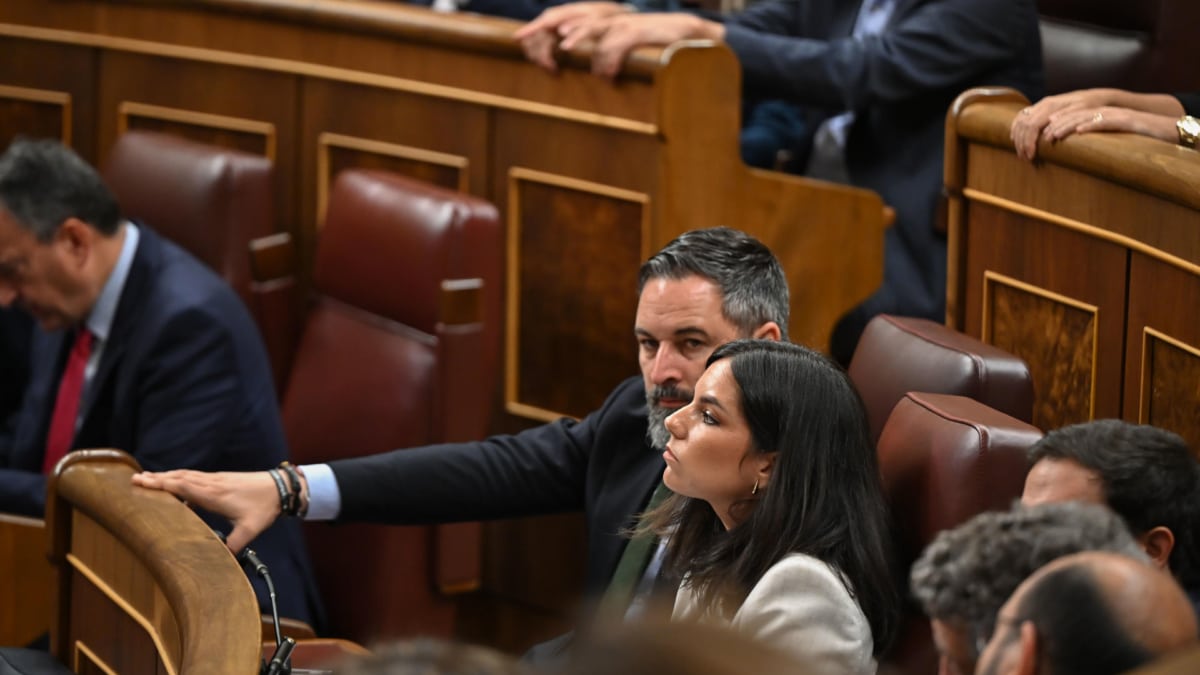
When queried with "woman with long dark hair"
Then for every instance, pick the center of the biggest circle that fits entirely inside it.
(778, 524)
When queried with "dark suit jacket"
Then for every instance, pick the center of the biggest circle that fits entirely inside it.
(899, 84)
(183, 382)
(16, 329)
(601, 465)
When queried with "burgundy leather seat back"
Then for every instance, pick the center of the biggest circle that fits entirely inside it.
(944, 459)
(213, 202)
(400, 348)
(1146, 45)
(897, 355)
(210, 200)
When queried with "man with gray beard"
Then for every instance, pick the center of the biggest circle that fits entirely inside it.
(703, 289)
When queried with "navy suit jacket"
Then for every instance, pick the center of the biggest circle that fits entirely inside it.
(900, 84)
(16, 329)
(601, 465)
(183, 382)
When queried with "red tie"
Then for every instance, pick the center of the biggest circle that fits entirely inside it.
(66, 406)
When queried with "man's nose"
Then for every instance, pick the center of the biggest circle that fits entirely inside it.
(8, 295)
(667, 366)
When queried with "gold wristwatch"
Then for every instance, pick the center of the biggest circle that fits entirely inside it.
(1189, 131)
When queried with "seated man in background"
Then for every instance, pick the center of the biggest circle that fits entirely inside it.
(141, 348)
(876, 78)
(1093, 613)
(705, 288)
(966, 574)
(1168, 118)
(1148, 476)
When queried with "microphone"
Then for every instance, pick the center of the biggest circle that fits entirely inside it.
(283, 646)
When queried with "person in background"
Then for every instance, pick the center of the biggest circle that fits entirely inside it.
(966, 574)
(1092, 613)
(874, 79)
(1170, 118)
(141, 347)
(777, 526)
(1147, 475)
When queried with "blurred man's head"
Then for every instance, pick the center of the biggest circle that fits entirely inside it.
(703, 289)
(966, 574)
(58, 225)
(1147, 475)
(1093, 613)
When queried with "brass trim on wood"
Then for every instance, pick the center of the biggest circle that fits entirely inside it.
(1144, 385)
(60, 98)
(991, 277)
(91, 655)
(512, 332)
(328, 139)
(273, 64)
(127, 109)
(1084, 228)
(130, 610)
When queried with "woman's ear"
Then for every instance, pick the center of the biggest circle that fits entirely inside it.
(764, 464)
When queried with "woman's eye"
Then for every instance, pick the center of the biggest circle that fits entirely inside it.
(707, 417)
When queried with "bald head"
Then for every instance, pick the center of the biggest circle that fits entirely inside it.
(1092, 612)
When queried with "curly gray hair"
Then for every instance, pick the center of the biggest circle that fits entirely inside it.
(966, 574)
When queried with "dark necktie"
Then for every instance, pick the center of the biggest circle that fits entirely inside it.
(66, 405)
(632, 564)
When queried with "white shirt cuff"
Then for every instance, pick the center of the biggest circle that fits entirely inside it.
(324, 497)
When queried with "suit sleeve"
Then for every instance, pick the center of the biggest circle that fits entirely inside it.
(944, 44)
(539, 471)
(188, 395)
(801, 606)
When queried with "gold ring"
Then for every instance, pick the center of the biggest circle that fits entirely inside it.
(1098, 117)
(1025, 111)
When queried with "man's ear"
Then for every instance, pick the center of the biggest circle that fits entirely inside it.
(1158, 542)
(1027, 664)
(768, 331)
(76, 239)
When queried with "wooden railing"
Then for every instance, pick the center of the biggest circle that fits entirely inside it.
(1086, 264)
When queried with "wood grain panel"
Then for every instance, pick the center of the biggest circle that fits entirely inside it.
(580, 280)
(25, 606)
(48, 91)
(38, 113)
(338, 152)
(225, 105)
(1162, 375)
(249, 136)
(1059, 294)
(109, 633)
(1055, 336)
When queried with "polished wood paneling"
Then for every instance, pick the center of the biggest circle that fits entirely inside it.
(1064, 320)
(242, 108)
(24, 606)
(1162, 362)
(142, 582)
(567, 278)
(48, 91)
(1055, 336)
(1100, 240)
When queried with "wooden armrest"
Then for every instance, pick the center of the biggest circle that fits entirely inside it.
(272, 258)
(293, 628)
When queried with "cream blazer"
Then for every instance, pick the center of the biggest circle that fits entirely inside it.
(801, 607)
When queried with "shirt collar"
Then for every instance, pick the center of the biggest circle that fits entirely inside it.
(100, 320)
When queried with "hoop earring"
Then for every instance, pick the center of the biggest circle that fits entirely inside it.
(754, 490)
